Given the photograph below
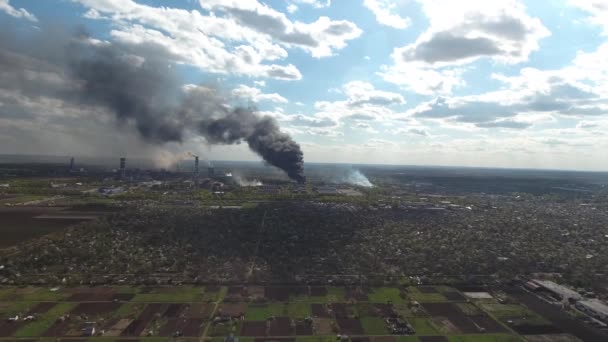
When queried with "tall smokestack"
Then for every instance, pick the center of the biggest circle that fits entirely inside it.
(123, 163)
(196, 166)
(72, 164)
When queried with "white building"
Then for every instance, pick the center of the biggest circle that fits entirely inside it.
(595, 308)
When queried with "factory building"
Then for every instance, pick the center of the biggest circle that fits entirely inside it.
(553, 290)
(595, 308)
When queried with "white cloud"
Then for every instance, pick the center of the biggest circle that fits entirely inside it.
(321, 37)
(598, 9)
(363, 103)
(315, 3)
(6, 7)
(461, 32)
(236, 37)
(384, 10)
(292, 8)
(256, 95)
(412, 131)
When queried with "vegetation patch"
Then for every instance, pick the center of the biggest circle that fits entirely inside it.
(42, 323)
(385, 295)
(374, 326)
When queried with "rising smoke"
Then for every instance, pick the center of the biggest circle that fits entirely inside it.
(139, 86)
(355, 177)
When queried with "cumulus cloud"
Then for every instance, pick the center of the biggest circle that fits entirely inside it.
(597, 9)
(320, 37)
(235, 37)
(384, 11)
(6, 7)
(256, 95)
(460, 33)
(363, 103)
(412, 131)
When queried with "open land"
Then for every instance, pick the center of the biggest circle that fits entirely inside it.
(423, 255)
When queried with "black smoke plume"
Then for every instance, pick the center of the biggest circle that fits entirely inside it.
(138, 84)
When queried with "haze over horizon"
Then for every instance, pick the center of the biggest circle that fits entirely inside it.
(508, 84)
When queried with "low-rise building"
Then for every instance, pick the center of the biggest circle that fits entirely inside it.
(595, 308)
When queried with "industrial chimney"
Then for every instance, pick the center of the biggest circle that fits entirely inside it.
(123, 162)
(195, 166)
(72, 164)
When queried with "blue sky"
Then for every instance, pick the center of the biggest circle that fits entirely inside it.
(420, 82)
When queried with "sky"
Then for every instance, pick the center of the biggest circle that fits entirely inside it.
(517, 84)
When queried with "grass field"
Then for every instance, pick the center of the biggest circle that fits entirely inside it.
(40, 325)
(374, 326)
(423, 326)
(385, 295)
(15, 300)
(176, 295)
(485, 338)
(415, 294)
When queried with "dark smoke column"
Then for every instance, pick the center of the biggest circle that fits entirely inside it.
(263, 136)
(277, 148)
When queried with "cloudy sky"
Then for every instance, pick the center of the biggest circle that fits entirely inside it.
(420, 82)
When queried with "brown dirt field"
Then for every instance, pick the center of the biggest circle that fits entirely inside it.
(356, 293)
(199, 310)
(285, 339)
(90, 297)
(20, 224)
(117, 328)
(303, 328)
(280, 326)
(342, 310)
(191, 327)
(95, 308)
(169, 328)
(40, 308)
(277, 293)
(427, 289)
(318, 291)
(236, 292)
(360, 339)
(59, 328)
(322, 326)
(174, 310)
(454, 296)
(453, 313)
(350, 326)
(488, 323)
(385, 310)
(233, 309)
(9, 328)
(256, 292)
(122, 297)
(319, 310)
(137, 326)
(552, 338)
(384, 339)
(526, 329)
(254, 328)
(433, 339)
(212, 288)
(446, 325)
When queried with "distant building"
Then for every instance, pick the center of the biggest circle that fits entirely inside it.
(327, 190)
(555, 290)
(595, 308)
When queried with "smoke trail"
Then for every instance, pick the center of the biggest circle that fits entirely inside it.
(355, 177)
(137, 84)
